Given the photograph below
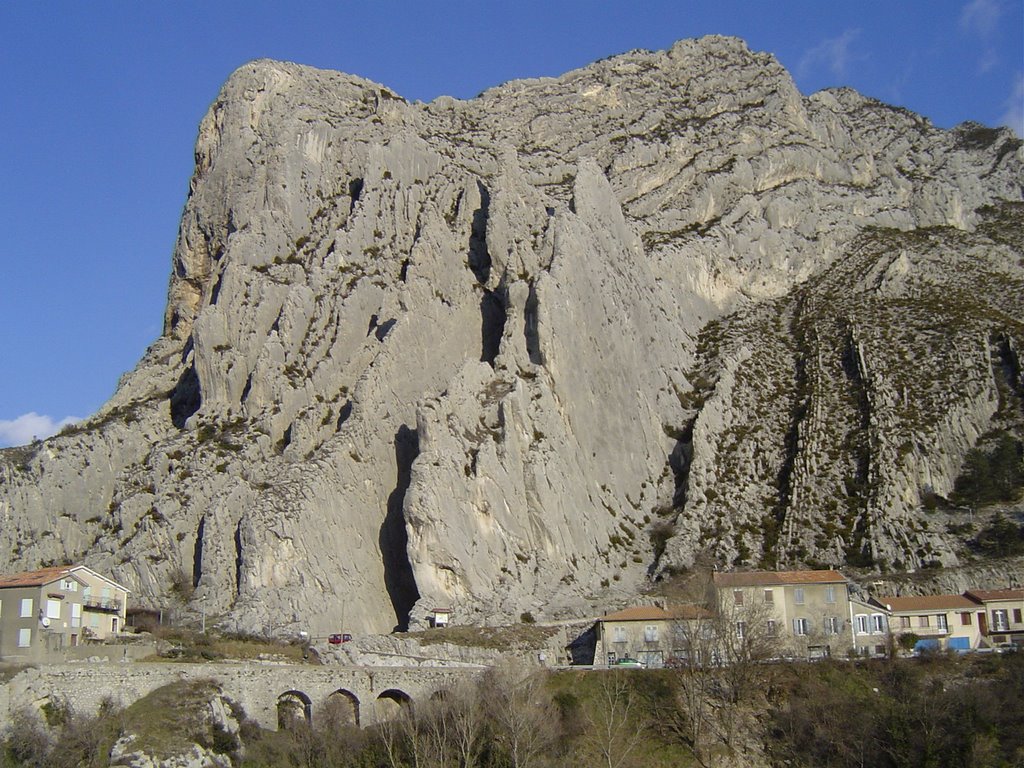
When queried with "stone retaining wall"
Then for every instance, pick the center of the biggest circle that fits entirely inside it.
(258, 688)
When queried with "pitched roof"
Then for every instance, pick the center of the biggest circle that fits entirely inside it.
(995, 594)
(41, 576)
(926, 603)
(35, 578)
(655, 613)
(776, 578)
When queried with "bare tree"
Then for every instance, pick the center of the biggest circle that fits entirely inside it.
(614, 729)
(720, 655)
(468, 720)
(523, 715)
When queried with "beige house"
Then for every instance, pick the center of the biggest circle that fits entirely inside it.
(649, 634)
(1001, 622)
(939, 622)
(59, 607)
(870, 626)
(808, 611)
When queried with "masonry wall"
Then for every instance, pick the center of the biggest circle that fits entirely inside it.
(257, 687)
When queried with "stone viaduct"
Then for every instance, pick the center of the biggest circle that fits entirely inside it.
(272, 694)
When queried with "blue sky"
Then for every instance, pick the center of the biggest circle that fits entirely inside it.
(100, 102)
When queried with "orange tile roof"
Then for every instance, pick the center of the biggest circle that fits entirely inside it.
(776, 578)
(34, 578)
(655, 613)
(995, 594)
(927, 603)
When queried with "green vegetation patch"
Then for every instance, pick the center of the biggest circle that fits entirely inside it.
(171, 719)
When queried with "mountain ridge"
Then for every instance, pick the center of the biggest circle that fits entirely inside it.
(450, 353)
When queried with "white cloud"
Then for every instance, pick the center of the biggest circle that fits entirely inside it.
(1014, 115)
(980, 17)
(29, 426)
(834, 54)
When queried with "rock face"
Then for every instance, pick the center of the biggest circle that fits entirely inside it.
(468, 354)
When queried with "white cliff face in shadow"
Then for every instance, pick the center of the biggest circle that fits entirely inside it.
(446, 354)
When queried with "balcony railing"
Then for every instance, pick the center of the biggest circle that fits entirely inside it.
(107, 604)
(925, 631)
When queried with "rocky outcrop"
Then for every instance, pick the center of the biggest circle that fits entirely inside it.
(446, 354)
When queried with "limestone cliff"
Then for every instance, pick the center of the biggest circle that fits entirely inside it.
(468, 353)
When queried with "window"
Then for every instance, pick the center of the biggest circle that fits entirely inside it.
(741, 629)
(69, 585)
(618, 634)
(1000, 620)
(830, 594)
(798, 595)
(862, 623)
(801, 627)
(24, 638)
(737, 596)
(965, 619)
(831, 625)
(769, 597)
(771, 628)
(923, 622)
(26, 607)
(877, 623)
(941, 623)
(904, 622)
(53, 609)
(1016, 616)
(651, 633)
(76, 614)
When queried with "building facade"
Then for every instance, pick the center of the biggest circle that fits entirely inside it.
(808, 612)
(934, 622)
(649, 634)
(53, 608)
(1001, 621)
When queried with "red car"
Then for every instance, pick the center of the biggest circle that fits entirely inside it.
(338, 639)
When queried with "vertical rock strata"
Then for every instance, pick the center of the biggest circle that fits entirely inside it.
(469, 353)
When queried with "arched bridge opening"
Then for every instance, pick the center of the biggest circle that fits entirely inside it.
(293, 708)
(391, 703)
(342, 708)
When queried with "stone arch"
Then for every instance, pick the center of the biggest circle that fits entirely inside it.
(342, 708)
(391, 702)
(441, 694)
(293, 707)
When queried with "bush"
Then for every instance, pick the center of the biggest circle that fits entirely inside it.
(1000, 538)
(993, 475)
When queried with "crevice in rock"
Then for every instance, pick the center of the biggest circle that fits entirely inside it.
(858, 444)
(286, 439)
(215, 293)
(355, 190)
(679, 462)
(346, 411)
(403, 273)
(1006, 363)
(530, 320)
(238, 558)
(492, 325)
(479, 256)
(186, 397)
(197, 553)
(247, 388)
(776, 518)
(372, 326)
(393, 538)
(384, 329)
